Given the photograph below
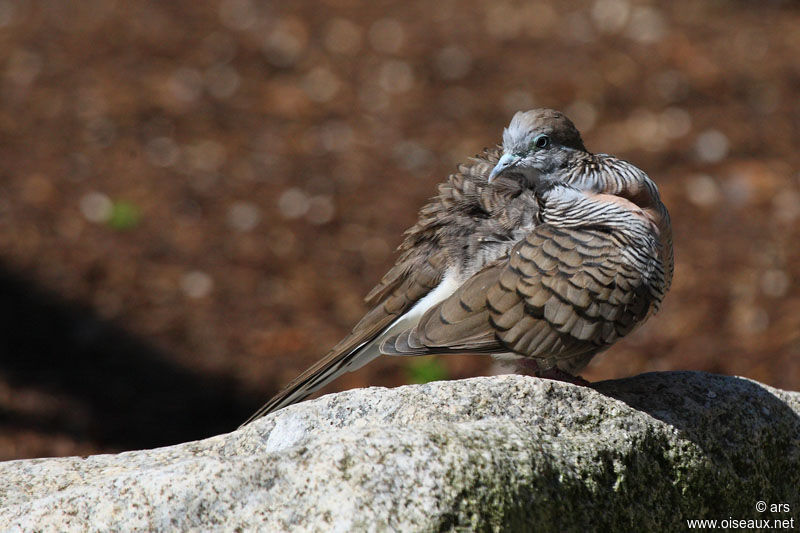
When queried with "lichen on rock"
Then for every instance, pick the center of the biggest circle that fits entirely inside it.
(504, 453)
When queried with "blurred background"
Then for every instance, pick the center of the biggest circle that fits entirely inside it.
(195, 196)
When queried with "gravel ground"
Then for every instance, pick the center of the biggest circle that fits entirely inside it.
(195, 196)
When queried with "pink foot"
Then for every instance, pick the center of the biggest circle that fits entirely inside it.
(560, 375)
(529, 367)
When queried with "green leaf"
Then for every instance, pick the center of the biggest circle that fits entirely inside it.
(426, 369)
(124, 216)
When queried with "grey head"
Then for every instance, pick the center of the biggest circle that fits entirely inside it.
(536, 145)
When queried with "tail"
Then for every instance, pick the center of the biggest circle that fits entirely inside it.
(353, 352)
(317, 376)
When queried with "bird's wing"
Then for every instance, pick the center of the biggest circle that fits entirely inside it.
(560, 294)
(420, 268)
(400, 289)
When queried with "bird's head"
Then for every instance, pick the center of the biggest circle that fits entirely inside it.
(536, 144)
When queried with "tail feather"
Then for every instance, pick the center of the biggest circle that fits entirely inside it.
(320, 374)
(301, 388)
(356, 350)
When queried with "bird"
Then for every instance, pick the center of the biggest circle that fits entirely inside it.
(536, 251)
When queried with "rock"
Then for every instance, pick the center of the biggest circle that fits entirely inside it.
(504, 453)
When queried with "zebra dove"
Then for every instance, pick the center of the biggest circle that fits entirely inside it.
(540, 252)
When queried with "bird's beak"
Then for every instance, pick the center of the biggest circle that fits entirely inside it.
(505, 162)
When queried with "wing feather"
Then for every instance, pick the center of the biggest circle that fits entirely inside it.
(420, 268)
(561, 294)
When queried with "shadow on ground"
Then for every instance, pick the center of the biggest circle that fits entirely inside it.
(650, 392)
(722, 416)
(96, 382)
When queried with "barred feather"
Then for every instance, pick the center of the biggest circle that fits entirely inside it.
(554, 261)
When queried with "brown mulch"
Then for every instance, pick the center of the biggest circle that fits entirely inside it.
(195, 196)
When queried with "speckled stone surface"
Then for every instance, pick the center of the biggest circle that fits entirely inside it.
(504, 453)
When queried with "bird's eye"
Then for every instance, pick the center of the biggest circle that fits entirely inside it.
(541, 141)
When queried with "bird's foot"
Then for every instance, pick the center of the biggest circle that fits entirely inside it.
(560, 375)
(529, 367)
